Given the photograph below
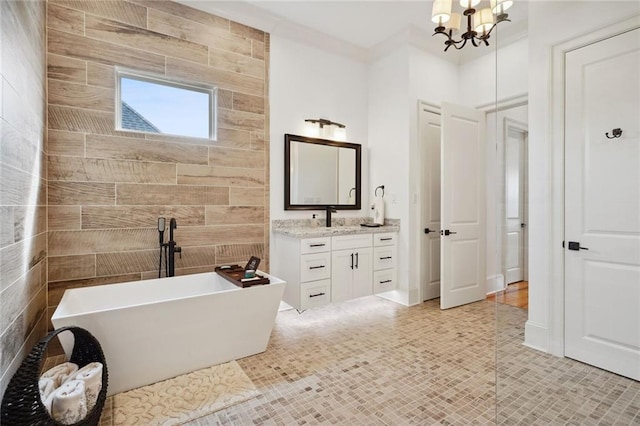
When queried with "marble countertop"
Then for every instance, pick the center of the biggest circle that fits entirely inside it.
(310, 228)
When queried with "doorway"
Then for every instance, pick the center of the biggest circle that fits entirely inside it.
(514, 234)
(453, 204)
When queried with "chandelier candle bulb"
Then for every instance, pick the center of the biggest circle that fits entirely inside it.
(454, 22)
(483, 21)
(498, 7)
(467, 4)
(441, 11)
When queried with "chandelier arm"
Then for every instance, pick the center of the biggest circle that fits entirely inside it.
(443, 33)
(462, 45)
(491, 29)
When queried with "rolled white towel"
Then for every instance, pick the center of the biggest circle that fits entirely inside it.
(46, 386)
(91, 375)
(68, 403)
(60, 373)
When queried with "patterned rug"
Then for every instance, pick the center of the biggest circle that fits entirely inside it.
(181, 399)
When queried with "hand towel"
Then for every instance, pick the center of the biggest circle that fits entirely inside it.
(378, 210)
(60, 373)
(68, 403)
(91, 375)
(46, 387)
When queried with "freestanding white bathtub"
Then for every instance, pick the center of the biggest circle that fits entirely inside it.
(157, 329)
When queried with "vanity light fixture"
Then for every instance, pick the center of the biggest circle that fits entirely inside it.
(484, 21)
(323, 128)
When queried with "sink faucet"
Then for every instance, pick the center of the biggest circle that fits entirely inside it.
(329, 209)
(173, 249)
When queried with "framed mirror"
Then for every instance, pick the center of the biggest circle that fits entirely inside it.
(319, 173)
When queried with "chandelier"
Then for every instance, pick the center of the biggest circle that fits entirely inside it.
(484, 20)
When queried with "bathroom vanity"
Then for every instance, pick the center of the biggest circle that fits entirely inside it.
(323, 265)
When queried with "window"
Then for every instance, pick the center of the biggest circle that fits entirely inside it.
(150, 104)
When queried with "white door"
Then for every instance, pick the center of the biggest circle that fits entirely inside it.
(463, 207)
(602, 204)
(515, 175)
(430, 209)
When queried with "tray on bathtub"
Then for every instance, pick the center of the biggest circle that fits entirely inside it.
(235, 274)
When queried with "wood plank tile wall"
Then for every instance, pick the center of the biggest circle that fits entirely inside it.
(23, 217)
(107, 188)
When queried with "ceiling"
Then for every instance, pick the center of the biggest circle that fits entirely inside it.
(358, 28)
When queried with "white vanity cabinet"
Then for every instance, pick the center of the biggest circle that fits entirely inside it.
(305, 264)
(352, 268)
(324, 269)
(385, 253)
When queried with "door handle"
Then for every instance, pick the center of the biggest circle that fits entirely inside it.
(523, 225)
(447, 232)
(351, 260)
(356, 260)
(575, 245)
(428, 231)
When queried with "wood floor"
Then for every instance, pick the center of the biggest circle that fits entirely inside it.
(516, 294)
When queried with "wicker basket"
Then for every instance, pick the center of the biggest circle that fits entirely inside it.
(21, 404)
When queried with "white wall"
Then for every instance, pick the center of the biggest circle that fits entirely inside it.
(552, 23)
(306, 82)
(389, 148)
(500, 74)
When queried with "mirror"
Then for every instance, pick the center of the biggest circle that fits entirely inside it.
(320, 173)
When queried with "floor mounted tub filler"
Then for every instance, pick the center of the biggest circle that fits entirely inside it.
(157, 329)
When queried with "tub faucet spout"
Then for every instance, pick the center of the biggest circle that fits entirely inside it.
(173, 249)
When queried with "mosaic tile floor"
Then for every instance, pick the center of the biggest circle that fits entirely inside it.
(374, 362)
(370, 361)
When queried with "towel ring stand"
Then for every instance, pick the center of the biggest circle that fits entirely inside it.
(376, 191)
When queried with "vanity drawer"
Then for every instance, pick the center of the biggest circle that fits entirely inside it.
(315, 293)
(384, 280)
(315, 245)
(385, 257)
(315, 266)
(342, 242)
(385, 239)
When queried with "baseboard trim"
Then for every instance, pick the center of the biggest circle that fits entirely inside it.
(536, 336)
(404, 297)
(495, 283)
